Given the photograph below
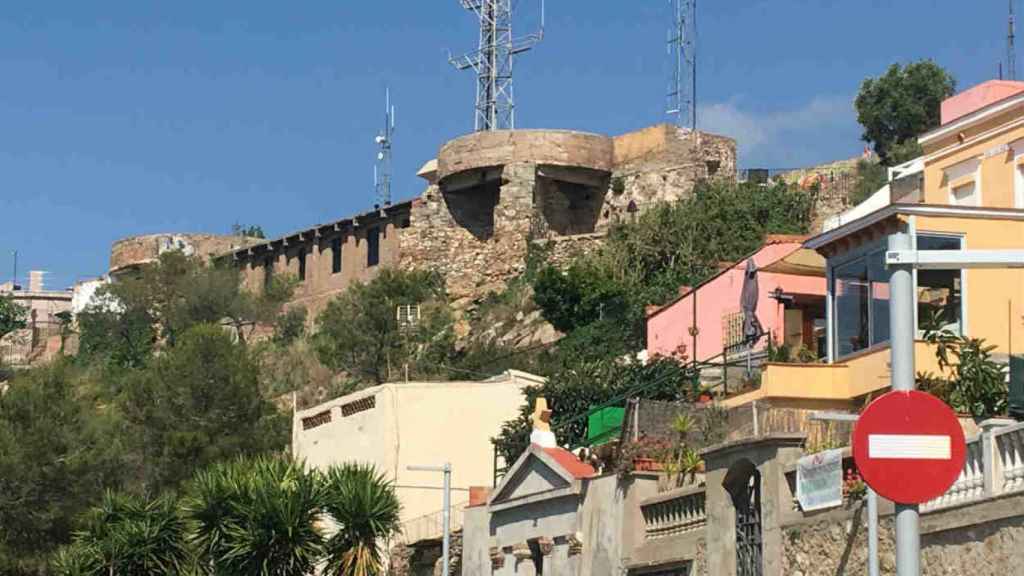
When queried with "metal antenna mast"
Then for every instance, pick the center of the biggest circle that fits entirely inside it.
(492, 62)
(382, 169)
(1011, 51)
(682, 47)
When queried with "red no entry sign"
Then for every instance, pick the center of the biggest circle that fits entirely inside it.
(909, 446)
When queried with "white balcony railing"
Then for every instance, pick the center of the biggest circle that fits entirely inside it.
(994, 465)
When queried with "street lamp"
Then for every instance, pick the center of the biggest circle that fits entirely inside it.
(446, 513)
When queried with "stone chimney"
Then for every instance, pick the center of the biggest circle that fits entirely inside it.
(35, 281)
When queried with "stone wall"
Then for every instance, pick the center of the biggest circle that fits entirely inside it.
(137, 250)
(562, 251)
(501, 147)
(492, 193)
(426, 558)
(984, 539)
(475, 236)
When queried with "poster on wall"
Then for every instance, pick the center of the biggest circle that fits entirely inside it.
(819, 480)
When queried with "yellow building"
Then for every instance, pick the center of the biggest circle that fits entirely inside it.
(965, 192)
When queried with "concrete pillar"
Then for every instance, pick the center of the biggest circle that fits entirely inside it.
(35, 281)
(523, 560)
(558, 561)
(770, 455)
(503, 562)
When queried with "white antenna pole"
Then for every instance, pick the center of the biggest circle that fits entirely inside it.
(382, 168)
(543, 11)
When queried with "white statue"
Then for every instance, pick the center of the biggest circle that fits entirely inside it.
(542, 435)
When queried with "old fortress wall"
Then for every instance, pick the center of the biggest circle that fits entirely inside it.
(488, 195)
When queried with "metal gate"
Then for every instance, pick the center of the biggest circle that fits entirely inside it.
(748, 526)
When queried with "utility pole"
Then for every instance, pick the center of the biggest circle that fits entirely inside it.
(446, 514)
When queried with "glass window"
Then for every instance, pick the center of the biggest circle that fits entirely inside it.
(938, 291)
(878, 275)
(964, 195)
(861, 297)
(851, 302)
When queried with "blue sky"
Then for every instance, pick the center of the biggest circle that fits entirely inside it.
(125, 117)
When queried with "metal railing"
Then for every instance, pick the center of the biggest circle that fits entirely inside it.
(431, 526)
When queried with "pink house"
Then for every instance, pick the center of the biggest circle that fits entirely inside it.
(791, 306)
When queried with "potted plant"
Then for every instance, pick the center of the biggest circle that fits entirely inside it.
(691, 464)
(644, 455)
(854, 487)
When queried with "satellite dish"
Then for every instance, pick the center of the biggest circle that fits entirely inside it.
(380, 155)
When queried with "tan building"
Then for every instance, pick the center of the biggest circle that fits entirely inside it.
(327, 258)
(398, 425)
(488, 196)
(40, 339)
(129, 253)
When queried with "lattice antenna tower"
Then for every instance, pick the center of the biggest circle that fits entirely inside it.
(492, 62)
(682, 48)
(382, 169)
(1011, 50)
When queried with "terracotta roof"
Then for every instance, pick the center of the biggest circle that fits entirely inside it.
(571, 463)
(977, 97)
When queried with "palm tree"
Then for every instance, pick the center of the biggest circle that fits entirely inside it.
(365, 510)
(256, 517)
(128, 536)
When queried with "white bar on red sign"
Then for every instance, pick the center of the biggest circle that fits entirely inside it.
(909, 447)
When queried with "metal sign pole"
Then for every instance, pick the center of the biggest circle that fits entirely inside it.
(901, 333)
(872, 495)
(446, 513)
(446, 540)
(872, 532)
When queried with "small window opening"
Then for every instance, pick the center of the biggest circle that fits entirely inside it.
(356, 406)
(373, 247)
(302, 264)
(268, 271)
(315, 420)
(336, 255)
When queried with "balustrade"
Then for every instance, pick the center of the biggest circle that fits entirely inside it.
(668, 515)
(1009, 456)
(971, 483)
